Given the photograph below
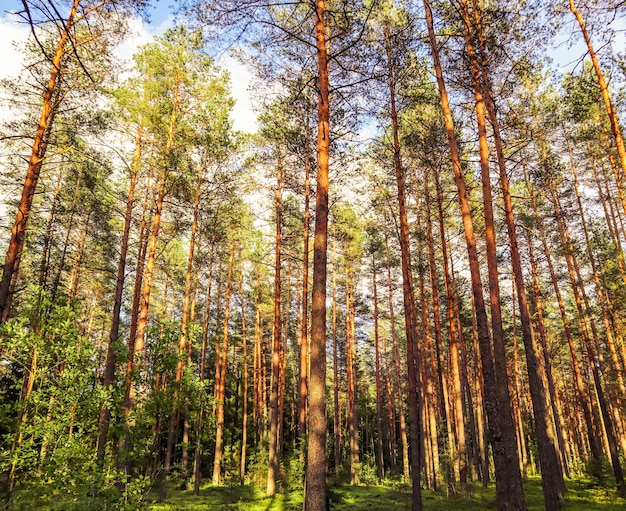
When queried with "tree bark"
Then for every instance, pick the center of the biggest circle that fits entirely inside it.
(244, 419)
(410, 315)
(604, 90)
(37, 155)
(459, 416)
(304, 334)
(316, 497)
(380, 465)
(353, 419)
(197, 457)
(398, 377)
(336, 404)
(551, 469)
(272, 469)
(509, 493)
(111, 357)
(221, 386)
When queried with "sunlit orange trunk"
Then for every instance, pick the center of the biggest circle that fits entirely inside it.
(37, 155)
(316, 491)
(580, 386)
(183, 349)
(508, 481)
(351, 365)
(197, 458)
(552, 472)
(459, 416)
(244, 420)
(304, 334)
(604, 90)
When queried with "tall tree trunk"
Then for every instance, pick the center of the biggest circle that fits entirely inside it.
(509, 493)
(336, 405)
(244, 419)
(580, 386)
(221, 386)
(183, 350)
(316, 496)
(111, 357)
(459, 416)
(380, 465)
(398, 379)
(604, 90)
(272, 469)
(551, 469)
(410, 316)
(582, 305)
(508, 456)
(197, 458)
(37, 155)
(439, 363)
(543, 337)
(135, 355)
(304, 335)
(353, 419)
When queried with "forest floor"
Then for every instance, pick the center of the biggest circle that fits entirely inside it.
(581, 496)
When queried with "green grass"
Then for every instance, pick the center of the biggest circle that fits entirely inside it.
(581, 496)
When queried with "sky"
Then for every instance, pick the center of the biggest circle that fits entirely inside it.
(13, 35)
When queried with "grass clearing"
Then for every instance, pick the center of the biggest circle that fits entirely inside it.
(581, 496)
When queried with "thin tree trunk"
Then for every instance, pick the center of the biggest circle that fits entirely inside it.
(380, 465)
(580, 386)
(459, 417)
(27, 389)
(183, 351)
(304, 338)
(244, 419)
(135, 355)
(399, 380)
(556, 410)
(104, 418)
(452, 465)
(47, 240)
(353, 419)
(221, 386)
(197, 458)
(592, 356)
(410, 315)
(336, 411)
(272, 469)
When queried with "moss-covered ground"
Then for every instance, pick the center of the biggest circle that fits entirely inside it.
(581, 496)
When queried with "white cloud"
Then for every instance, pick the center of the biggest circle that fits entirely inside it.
(12, 38)
(244, 118)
